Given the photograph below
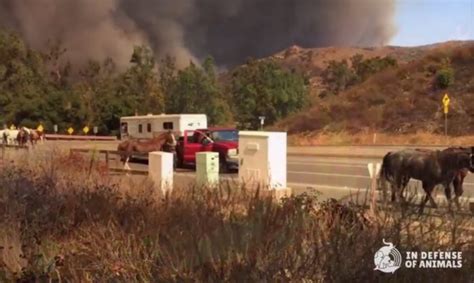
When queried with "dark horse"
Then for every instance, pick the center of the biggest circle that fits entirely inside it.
(163, 142)
(430, 167)
(22, 137)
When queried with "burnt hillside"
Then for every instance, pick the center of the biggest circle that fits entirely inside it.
(404, 99)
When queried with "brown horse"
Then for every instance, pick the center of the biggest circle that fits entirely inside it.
(163, 142)
(22, 137)
(36, 136)
(32, 135)
(431, 167)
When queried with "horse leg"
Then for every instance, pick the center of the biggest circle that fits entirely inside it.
(405, 181)
(429, 192)
(458, 190)
(447, 192)
(428, 188)
(398, 188)
(126, 166)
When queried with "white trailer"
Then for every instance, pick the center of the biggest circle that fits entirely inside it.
(148, 126)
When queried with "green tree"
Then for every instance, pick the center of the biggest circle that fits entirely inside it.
(139, 85)
(262, 88)
(24, 88)
(98, 94)
(196, 90)
(338, 76)
(167, 73)
(366, 68)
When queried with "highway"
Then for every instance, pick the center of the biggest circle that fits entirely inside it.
(333, 171)
(337, 177)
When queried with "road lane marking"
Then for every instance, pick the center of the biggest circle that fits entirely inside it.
(332, 161)
(316, 187)
(328, 174)
(329, 164)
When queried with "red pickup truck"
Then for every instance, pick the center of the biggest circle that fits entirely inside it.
(221, 140)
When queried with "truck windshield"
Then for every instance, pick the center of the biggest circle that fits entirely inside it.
(225, 135)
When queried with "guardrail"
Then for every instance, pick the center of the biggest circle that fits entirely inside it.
(82, 138)
(107, 154)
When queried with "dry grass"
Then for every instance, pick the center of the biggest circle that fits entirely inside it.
(64, 220)
(367, 138)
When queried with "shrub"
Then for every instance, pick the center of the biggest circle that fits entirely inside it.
(56, 230)
(445, 77)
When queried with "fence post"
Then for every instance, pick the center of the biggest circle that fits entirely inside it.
(107, 159)
(374, 169)
(373, 185)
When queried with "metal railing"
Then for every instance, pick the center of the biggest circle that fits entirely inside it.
(82, 138)
(107, 156)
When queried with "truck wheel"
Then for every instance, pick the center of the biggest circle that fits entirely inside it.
(223, 166)
(179, 162)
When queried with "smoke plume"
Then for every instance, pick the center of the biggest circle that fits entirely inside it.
(229, 30)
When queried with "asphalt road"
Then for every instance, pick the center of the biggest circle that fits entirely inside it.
(333, 171)
(337, 177)
(332, 174)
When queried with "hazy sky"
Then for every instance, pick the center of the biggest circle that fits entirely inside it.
(427, 21)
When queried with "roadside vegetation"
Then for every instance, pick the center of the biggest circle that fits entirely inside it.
(64, 219)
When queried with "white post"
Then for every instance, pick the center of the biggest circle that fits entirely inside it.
(374, 169)
(160, 170)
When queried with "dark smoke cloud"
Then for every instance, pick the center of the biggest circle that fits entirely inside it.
(229, 30)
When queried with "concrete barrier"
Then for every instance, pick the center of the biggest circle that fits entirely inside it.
(160, 170)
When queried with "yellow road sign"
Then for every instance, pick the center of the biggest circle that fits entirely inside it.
(40, 128)
(446, 109)
(446, 100)
(70, 130)
(85, 130)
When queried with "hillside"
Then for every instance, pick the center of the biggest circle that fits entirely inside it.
(313, 61)
(403, 99)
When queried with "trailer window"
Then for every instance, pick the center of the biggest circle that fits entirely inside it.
(140, 128)
(168, 125)
(148, 127)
